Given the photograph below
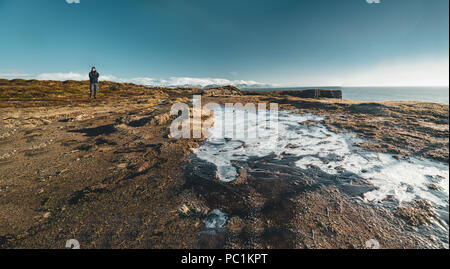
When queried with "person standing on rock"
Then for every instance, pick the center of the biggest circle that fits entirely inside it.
(93, 78)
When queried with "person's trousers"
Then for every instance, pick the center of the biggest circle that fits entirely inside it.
(94, 88)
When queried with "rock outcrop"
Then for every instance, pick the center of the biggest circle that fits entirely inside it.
(222, 91)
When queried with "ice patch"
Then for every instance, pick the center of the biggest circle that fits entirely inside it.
(216, 219)
(303, 136)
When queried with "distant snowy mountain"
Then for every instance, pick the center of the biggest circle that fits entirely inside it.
(200, 83)
(172, 82)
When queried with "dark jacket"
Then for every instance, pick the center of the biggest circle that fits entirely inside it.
(93, 77)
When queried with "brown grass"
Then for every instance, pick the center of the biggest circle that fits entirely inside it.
(20, 92)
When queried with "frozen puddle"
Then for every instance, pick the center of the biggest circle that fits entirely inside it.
(216, 219)
(303, 136)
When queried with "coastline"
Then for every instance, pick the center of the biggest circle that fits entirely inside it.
(107, 172)
(435, 94)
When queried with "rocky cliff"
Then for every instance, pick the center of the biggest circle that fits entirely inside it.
(314, 93)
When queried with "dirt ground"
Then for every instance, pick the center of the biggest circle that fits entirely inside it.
(107, 173)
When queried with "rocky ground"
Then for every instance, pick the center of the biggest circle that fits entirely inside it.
(107, 173)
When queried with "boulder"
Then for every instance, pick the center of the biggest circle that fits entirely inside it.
(222, 91)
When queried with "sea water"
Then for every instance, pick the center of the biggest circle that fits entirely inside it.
(378, 94)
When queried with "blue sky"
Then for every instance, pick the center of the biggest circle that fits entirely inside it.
(281, 42)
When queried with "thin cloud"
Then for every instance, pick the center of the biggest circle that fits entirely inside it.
(427, 72)
(421, 72)
(62, 76)
(15, 75)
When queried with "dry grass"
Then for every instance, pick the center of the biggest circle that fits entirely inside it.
(22, 93)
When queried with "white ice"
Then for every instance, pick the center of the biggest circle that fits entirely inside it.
(404, 180)
(216, 219)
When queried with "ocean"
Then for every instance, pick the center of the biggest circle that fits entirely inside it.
(427, 94)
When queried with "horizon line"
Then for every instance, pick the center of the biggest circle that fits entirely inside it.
(254, 88)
